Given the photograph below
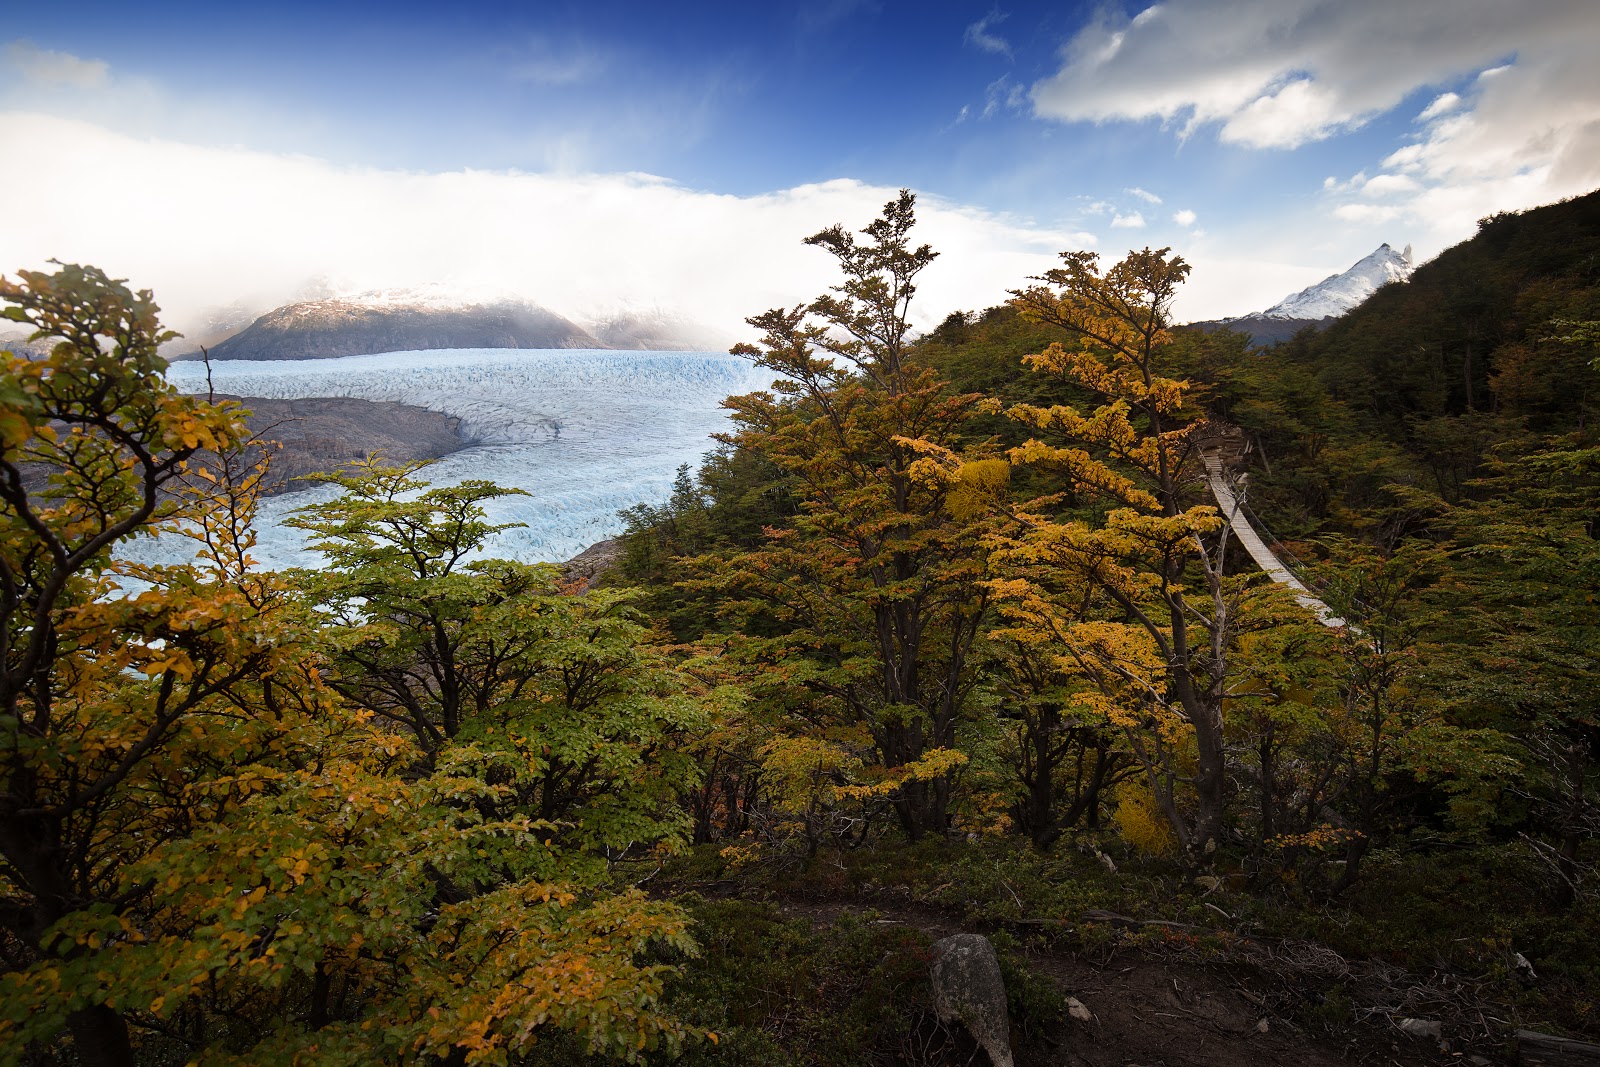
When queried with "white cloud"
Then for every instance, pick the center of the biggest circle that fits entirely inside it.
(1184, 218)
(1366, 212)
(1143, 194)
(1404, 159)
(1442, 104)
(1287, 117)
(1355, 181)
(1388, 185)
(979, 37)
(1003, 94)
(205, 227)
(40, 66)
(1131, 221)
(1513, 118)
(1277, 73)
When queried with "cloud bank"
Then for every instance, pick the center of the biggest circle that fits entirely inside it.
(42, 67)
(205, 227)
(1518, 122)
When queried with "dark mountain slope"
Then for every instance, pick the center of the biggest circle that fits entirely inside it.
(1470, 332)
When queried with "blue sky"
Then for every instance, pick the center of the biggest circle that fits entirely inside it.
(673, 155)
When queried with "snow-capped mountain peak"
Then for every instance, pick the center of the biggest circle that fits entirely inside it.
(1337, 294)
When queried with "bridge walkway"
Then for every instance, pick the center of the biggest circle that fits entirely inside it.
(1228, 504)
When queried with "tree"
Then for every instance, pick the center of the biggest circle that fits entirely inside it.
(558, 696)
(206, 852)
(1521, 604)
(871, 594)
(100, 693)
(1113, 590)
(1063, 757)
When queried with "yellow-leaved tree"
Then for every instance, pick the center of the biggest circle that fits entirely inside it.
(1121, 578)
(210, 854)
(862, 614)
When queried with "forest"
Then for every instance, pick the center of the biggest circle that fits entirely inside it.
(946, 634)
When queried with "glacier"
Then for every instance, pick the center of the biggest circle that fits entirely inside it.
(583, 432)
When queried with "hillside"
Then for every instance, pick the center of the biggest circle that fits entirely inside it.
(1466, 335)
(951, 634)
(328, 433)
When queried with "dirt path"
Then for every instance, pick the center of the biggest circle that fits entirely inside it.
(1149, 1012)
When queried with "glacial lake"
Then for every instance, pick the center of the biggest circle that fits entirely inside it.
(584, 433)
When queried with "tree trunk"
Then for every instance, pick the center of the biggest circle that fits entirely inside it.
(100, 1037)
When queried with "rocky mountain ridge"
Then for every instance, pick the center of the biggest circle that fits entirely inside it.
(1320, 305)
(1338, 293)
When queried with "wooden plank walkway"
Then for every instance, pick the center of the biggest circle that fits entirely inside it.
(1228, 504)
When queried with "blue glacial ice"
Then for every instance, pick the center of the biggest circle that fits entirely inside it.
(584, 433)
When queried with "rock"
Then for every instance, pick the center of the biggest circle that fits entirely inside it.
(1421, 1028)
(1263, 1026)
(1079, 1010)
(329, 433)
(967, 987)
(589, 565)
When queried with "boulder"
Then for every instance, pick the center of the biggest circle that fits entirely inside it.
(967, 987)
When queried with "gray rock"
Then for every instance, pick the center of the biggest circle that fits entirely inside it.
(1421, 1027)
(967, 987)
(590, 565)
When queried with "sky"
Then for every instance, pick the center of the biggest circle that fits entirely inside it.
(603, 155)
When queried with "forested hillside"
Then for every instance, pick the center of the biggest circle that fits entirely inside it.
(948, 634)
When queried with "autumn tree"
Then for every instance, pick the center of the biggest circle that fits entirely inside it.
(206, 852)
(1063, 757)
(1131, 589)
(871, 594)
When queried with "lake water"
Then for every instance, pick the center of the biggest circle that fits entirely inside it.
(584, 433)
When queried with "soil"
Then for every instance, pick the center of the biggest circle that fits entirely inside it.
(1151, 1012)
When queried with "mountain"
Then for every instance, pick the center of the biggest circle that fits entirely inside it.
(17, 341)
(1338, 293)
(655, 331)
(1492, 326)
(1320, 305)
(383, 322)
